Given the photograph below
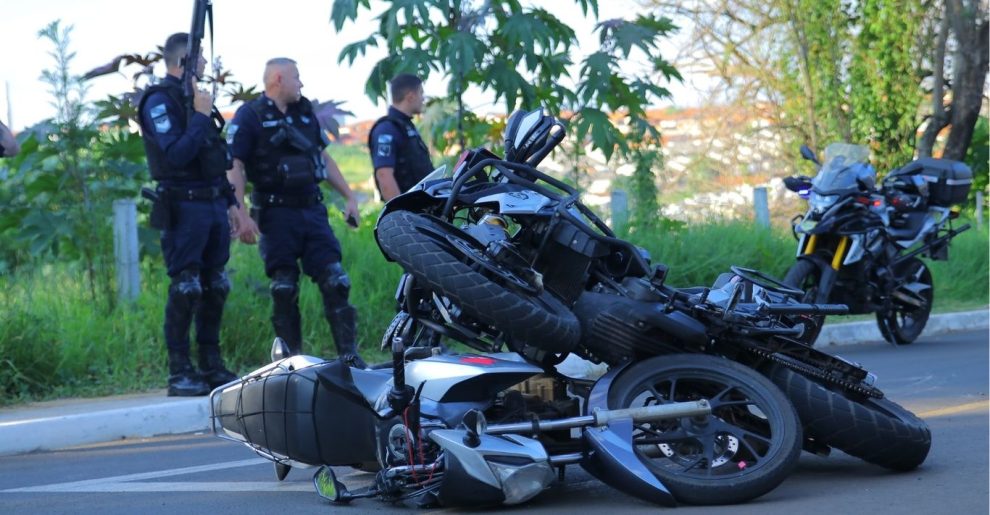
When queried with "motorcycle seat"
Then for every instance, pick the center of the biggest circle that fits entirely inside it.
(907, 225)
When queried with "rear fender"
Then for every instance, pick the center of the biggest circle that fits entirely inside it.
(612, 459)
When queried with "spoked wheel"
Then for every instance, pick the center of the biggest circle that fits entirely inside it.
(910, 306)
(745, 448)
(805, 276)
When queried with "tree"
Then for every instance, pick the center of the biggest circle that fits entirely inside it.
(521, 55)
(838, 70)
(960, 52)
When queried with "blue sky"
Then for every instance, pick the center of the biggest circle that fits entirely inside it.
(248, 33)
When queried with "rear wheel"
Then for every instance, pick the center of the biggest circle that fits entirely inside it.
(806, 276)
(877, 430)
(447, 262)
(910, 306)
(745, 448)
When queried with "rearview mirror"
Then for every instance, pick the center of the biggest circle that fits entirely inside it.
(280, 350)
(809, 154)
(328, 487)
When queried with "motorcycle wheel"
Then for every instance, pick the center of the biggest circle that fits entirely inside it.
(747, 446)
(804, 275)
(539, 320)
(878, 431)
(902, 324)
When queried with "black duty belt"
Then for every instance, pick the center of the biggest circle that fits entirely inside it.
(210, 193)
(261, 199)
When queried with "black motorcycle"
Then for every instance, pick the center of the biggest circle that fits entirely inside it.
(501, 255)
(859, 245)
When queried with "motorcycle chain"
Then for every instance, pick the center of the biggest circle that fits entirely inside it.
(808, 370)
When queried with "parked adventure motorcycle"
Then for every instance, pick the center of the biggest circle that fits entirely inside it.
(859, 245)
(509, 262)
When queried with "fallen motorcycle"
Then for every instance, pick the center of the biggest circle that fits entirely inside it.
(450, 430)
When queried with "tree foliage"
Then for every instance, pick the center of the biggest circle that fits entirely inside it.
(835, 70)
(521, 55)
(55, 199)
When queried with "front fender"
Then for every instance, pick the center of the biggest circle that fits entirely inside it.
(611, 457)
(827, 276)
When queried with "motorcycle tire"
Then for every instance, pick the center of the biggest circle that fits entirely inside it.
(804, 275)
(903, 325)
(538, 320)
(753, 428)
(878, 431)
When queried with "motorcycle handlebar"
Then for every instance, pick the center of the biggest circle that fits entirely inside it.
(807, 309)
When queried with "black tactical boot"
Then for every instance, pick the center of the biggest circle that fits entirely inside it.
(211, 365)
(183, 379)
(343, 327)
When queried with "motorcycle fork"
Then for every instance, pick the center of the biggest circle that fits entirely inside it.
(840, 252)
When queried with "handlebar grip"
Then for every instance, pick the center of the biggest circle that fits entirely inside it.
(808, 309)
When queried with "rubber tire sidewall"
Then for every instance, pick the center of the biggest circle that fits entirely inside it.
(878, 431)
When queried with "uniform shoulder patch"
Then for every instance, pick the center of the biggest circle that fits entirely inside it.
(162, 124)
(231, 132)
(158, 110)
(384, 145)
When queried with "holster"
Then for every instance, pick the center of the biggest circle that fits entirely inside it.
(161, 209)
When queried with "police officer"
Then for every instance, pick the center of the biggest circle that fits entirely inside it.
(398, 154)
(277, 142)
(188, 159)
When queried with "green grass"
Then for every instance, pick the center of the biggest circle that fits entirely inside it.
(56, 342)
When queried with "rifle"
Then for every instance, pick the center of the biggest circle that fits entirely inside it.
(202, 9)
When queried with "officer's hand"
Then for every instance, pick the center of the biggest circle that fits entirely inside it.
(351, 214)
(203, 102)
(242, 226)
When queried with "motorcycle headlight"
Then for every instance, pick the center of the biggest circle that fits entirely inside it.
(820, 202)
(522, 482)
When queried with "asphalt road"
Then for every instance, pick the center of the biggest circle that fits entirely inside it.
(944, 380)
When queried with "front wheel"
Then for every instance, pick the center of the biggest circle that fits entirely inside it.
(806, 276)
(746, 447)
(910, 305)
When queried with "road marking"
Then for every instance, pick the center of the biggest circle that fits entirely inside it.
(178, 486)
(955, 410)
(82, 486)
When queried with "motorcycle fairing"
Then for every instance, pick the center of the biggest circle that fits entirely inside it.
(611, 457)
(517, 202)
(494, 469)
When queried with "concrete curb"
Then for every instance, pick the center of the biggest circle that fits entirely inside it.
(63, 424)
(158, 416)
(850, 333)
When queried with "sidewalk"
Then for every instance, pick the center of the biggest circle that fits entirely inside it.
(72, 422)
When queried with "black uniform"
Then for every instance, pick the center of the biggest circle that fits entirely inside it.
(189, 161)
(283, 159)
(395, 143)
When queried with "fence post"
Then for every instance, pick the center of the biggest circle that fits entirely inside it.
(125, 249)
(762, 206)
(979, 209)
(620, 209)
